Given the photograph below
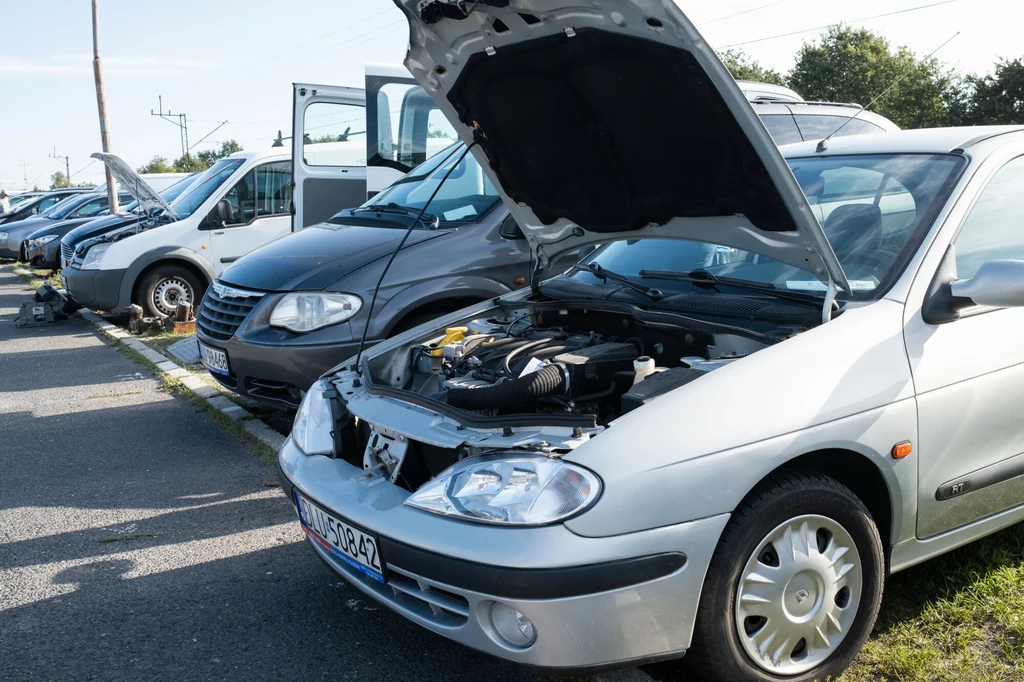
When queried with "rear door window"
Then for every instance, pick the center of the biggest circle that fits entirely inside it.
(782, 128)
(819, 127)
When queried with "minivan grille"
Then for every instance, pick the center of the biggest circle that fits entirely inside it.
(223, 310)
(67, 253)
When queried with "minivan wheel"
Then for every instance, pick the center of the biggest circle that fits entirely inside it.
(166, 286)
(794, 586)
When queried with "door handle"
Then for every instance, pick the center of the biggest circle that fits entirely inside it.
(219, 232)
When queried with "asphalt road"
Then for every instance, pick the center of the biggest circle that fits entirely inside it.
(139, 541)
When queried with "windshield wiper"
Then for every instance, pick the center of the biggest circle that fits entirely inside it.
(598, 271)
(702, 276)
(429, 220)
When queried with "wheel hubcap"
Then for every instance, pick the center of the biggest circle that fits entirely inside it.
(798, 595)
(169, 293)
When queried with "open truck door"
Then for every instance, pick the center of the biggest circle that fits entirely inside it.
(403, 126)
(329, 144)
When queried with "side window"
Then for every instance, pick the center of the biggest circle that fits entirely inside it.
(242, 198)
(47, 203)
(409, 127)
(819, 127)
(995, 227)
(782, 128)
(274, 189)
(334, 134)
(91, 208)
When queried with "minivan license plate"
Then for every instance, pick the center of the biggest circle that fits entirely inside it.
(215, 360)
(341, 539)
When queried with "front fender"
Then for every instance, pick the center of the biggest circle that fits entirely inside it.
(420, 294)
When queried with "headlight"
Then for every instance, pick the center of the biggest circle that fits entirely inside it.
(306, 312)
(312, 427)
(39, 241)
(515, 490)
(94, 256)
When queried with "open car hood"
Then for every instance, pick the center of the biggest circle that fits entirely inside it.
(149, 199)
(601, 120)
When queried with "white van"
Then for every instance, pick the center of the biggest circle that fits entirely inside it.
(348, 144)
(174, 250)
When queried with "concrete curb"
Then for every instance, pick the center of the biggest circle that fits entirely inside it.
(191, 381)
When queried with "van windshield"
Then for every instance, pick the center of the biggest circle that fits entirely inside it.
(204, 186)
(466, 195)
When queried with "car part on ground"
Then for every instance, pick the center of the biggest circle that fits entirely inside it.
(48, 306)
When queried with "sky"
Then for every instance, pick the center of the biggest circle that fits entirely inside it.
(235, 61)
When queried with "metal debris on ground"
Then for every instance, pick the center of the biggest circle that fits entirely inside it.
(48, 306)
(186, 350)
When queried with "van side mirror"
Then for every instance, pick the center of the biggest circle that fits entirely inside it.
(998, 283)
(225, 213)
(510, 229)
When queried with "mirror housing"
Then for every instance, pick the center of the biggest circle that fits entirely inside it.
(510, 229)
(225, 213)
(998, 284)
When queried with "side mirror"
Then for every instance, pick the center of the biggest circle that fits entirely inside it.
(225, 214)
(510, 229)
(998, 283)
(73, 215)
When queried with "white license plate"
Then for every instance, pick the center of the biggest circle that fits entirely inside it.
(215, 360)
(343, 540)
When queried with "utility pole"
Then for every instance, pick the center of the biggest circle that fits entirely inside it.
(67, 164)
(101, 103)
(182, 124)
(24, 172)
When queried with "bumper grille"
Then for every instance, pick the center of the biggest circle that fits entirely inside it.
(224, 309)
(67, 254)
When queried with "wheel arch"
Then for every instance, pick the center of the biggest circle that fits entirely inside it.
(860, 474)
(439, 306)
(145, 264)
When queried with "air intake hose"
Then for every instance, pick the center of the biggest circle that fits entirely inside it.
(512, 393)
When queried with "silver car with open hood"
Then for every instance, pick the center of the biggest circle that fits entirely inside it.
(784, 375)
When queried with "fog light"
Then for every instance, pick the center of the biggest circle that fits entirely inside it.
(512, 626)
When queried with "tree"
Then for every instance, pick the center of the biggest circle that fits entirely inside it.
(59, 181)
(994, 99)
(857, 65)
(190, 164)
(211, 156)
(745, 68)
(158, 164)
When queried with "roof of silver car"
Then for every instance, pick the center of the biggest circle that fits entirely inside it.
(927, 140)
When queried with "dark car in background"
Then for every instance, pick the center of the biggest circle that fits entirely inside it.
(289, 311)
(69, 213)
(41, 248)
(37, 205)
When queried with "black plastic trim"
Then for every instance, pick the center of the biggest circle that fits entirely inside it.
(982, 478)
(530, 583)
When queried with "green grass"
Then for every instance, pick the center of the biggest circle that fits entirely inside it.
(956, 618)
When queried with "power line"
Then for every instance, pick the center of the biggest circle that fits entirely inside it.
(746, 11)
(850, 21)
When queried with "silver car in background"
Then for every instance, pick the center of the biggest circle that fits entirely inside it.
(783, 376)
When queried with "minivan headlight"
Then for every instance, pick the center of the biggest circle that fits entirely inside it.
(94, 257)
(305, 312)
(312, 427)
(510, 489)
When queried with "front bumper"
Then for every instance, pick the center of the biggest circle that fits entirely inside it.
(96, 289)
(277, 375)
(42, 255)
(594, 602)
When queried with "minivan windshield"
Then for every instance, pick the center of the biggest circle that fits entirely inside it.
(169, 194)
(204, 186)
(874, 209)
(466, 195)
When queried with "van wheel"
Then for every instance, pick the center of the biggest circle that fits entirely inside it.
(166, 286)
(794, 586)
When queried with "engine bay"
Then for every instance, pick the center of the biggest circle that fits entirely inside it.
(566, 360)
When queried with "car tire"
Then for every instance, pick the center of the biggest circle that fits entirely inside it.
(787, 599)
(164, 286)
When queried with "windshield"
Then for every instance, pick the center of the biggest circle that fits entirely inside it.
(62, 209)
(169, 194)
(466, 195)
(874, 208)
(205, 184)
